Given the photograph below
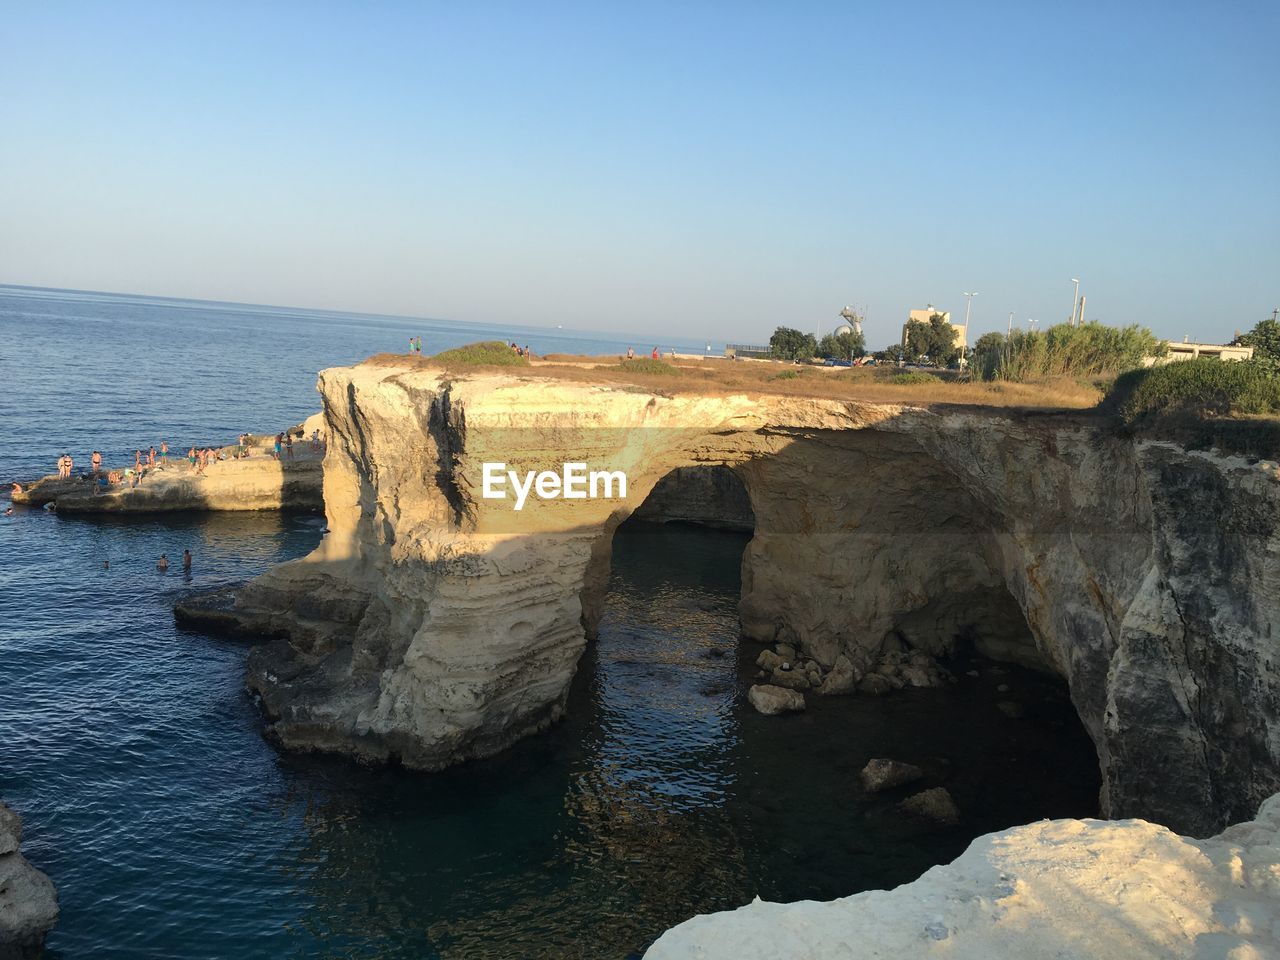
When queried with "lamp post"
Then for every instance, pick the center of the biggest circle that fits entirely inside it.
(968, 305)
(1075, 301)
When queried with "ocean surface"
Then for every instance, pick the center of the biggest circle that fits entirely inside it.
(173, 829)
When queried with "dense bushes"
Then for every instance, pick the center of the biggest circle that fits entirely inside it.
(909, 378)
(1200, 387)
(649, 365)
(1091, 349)
(488, 353)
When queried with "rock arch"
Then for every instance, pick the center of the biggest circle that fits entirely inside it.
(433, 626)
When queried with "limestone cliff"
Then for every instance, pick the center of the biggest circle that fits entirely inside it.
(1054, 890)
(434, 625)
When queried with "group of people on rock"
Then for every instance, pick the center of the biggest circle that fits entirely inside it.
(198, 458)
(521, 351)
(415, 346)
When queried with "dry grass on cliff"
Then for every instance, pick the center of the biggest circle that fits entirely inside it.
(719, 376)
(884, 385)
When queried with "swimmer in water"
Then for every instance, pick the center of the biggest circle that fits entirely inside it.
(163, 563)
(186, 559)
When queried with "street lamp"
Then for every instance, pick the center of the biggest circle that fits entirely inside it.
(968, 305)
(1075, 300)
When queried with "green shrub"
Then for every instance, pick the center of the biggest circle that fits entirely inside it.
(489, 353)
(1204, 387)
(1088, 350)
(913, 378)
(649, 365)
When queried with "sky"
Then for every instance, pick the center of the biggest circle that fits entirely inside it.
(707, 169)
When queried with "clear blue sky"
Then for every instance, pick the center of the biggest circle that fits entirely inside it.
(711, 169)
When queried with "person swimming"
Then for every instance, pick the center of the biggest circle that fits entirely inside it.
(186, 559)
(162, 563)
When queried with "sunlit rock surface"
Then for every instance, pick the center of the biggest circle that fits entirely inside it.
(1054, 890)
(259, 482)
(433, 625)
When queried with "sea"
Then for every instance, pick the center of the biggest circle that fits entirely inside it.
(173, 829)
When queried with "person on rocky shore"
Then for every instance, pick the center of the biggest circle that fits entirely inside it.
(164, 453)
(95, 461)
(288, 446)
(151, 457)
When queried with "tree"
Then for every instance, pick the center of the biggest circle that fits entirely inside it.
(789, 344)
(986, 354)
(1265, 340)
(842, 346)
(891, 354)
(935, 340)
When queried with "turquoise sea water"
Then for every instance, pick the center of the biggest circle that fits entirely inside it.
(172, 829)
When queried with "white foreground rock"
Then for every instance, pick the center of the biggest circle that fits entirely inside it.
(1060, 889)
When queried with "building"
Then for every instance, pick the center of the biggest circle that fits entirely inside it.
(923, 316)
(1189, 351)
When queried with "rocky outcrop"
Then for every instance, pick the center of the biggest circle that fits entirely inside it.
(772, 700)
(258, 482)
(433, 624)
(28, 902)
(1054, 890)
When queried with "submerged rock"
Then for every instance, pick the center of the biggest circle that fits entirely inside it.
(934, 805)
(772, 700)
(882, 774)
(28, 901)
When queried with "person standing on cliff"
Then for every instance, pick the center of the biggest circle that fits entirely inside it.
(288, 446)
(654, 355)
(164, 453)
(413, 347)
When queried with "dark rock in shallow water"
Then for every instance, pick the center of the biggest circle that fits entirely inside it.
(773, 700)
(28, 901)
(934, 806)
(881, 774)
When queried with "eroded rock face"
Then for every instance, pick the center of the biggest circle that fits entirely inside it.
(28, 901)
(1054, 890)
(434, 625)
